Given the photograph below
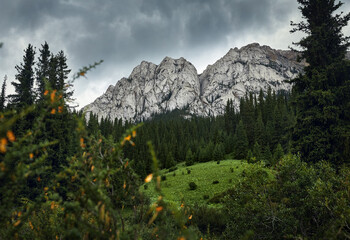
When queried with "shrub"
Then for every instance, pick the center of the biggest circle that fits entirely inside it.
(215, 182)
(188, 171)
(209, 219)
(206, 197)
(192, 185)
(145, 186)
(163, 178)
(172, 169)
(314, 195)
(218, 162)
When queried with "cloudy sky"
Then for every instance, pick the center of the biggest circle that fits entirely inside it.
(125, 32)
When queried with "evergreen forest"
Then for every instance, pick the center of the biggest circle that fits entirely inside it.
(283, 157)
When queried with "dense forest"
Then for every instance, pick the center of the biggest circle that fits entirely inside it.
(259, 131)
(66, 174)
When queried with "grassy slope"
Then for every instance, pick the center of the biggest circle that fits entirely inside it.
(175, 188)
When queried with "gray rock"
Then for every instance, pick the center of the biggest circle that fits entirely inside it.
(175, 84)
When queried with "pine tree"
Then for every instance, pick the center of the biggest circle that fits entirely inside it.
(202, 156)
(250, 158)
(53, 69)
(269, 133)
(229, 144)
(169, 162)
(24, 87)
(42, 70)
(3, 95)
(260, 135)
(209, 151)
(247, 114)
(278, 125)
(92, 125)
(267, 156)
(62, 76)
(219, 152)
(257, 152)
(189, 157)
(268, 107)
(163, 151)
(261, 103)
(229, 116)
(241, 142)
(322, 92)
(278, 154)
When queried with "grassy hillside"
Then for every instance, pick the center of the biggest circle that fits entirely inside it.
(211, 179)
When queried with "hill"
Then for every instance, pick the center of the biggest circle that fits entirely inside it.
(211, 179)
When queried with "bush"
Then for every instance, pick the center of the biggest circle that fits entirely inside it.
(192, 185)
(163, 178)
(188, 171)
(206, 197)
(218, 162)
(215, 182)
(209, 219)
(145, 186)
(315, 196)
(172, 169)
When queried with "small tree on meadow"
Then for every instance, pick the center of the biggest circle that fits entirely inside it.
(189, 157)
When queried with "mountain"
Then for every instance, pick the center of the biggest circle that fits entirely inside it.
(175, 84)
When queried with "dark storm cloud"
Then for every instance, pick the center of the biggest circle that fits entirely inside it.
(125, 32)
(121, 29)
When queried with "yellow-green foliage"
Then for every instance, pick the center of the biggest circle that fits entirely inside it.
(94, 196)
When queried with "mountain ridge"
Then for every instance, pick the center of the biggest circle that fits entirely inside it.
(176, 84)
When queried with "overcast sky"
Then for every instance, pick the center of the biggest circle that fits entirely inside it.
(125, 32)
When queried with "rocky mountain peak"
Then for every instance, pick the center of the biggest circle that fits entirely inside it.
(176, 65)
(175, 83)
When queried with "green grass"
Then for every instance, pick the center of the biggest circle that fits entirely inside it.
(176, 188)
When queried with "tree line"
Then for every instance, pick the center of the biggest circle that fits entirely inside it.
(259, 131)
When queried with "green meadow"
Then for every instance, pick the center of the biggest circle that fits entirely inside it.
(211, 179)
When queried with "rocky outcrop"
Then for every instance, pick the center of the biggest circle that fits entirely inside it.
(248, 69)
(175, 84)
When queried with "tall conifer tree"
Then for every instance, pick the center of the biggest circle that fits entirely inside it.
(322, 92)
(42, 70)
(241, 142)
(62, 75)
(24, 95)
(3, 95)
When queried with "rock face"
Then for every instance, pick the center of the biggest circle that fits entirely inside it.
(175, 83)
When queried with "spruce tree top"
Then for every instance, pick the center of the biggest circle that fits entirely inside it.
(325, 43)
(24, 94)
